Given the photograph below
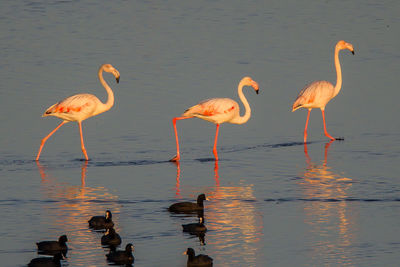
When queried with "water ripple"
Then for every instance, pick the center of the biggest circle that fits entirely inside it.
(332, 200)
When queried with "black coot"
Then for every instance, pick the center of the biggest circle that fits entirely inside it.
(195, 228)
(53, 247)
(46, 262)
(189, 207)
(111, 238)
(101, 222)
(122, 256)
(199, 260)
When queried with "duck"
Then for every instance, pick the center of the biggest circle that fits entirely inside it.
(199, 260)
(188, 207)
(53, 247)
(111, 238)
(195, 228)
(122, 256)
(46, 261)
(101, 222)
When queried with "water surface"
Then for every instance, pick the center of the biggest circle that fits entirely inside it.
(273, 201)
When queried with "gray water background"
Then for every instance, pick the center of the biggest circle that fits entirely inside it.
(271, 204)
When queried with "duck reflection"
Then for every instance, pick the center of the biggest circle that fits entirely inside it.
(232, 217)
(69, 206)
(328, 216)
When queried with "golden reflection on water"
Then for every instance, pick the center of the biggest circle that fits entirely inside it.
(332, 224)
(178, 176)
(70, 208)
(232, 216)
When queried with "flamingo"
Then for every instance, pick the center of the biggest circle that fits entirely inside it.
(80, 107)
(318, 93)
(217, 111)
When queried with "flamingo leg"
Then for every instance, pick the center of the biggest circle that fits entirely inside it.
(177, 156)
(215, 143)
(82, 143)
(47, 137)
(326, 132)
(305, 128)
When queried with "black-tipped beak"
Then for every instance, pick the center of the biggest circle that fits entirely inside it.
(352, 52)
(117, 79)
(257, 92)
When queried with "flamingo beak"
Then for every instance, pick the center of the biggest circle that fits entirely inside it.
(352, 52)
(117, 79)
(255, 86)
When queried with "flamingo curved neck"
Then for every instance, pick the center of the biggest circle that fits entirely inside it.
(247, 114)
(110, 100)
(338, 85)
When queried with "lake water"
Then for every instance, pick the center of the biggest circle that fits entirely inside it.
(273, 201)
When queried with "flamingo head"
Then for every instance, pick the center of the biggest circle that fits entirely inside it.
(344, 45)
(110, 69)
(250, 82)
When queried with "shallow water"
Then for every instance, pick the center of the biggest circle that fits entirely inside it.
(273, 201)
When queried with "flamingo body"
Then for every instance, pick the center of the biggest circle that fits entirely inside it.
(317, 94)
(80, 107)
(75, 108)
(217, 111)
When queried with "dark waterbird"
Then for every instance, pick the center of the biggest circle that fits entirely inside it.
(189, 207)
(46, 261)
(101, 222)
(122, 256)
(53, 247)
(195, 228)
(111, 238)
(199, 260)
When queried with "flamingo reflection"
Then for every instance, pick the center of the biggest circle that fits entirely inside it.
(178, 176)
(329, 218)
(232, 217)
(70, 207)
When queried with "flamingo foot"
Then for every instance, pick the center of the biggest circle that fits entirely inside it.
(175, 158)
(85, 154)
(329, 136)
(215, 155)
(332, 138)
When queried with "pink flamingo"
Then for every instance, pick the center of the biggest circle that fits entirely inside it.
(80, 107)
(218, 110)
(319, 93)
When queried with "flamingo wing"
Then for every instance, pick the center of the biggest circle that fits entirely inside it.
(216, 110)
(314, 95)
(74, 108)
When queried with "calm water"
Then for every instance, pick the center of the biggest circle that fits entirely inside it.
(273, 201)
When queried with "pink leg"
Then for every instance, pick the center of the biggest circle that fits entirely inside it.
(305, 129)
(177, 156)
(306, 153)
(326, 132)
(82, 144)
(215, 143)
(47, 137)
